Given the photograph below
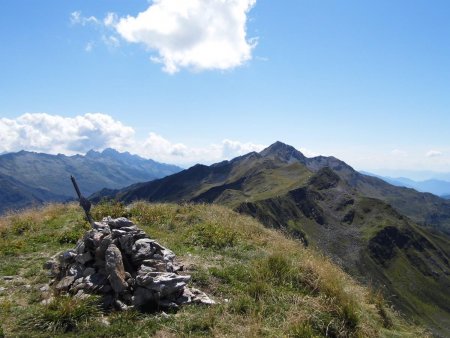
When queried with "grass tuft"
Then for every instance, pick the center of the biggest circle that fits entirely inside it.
(64, 314)
(111, 208)
(214, 236)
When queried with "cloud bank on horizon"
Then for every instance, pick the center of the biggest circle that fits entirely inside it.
(55, 134)
(191, 34)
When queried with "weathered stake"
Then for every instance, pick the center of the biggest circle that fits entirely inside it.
(84, 202)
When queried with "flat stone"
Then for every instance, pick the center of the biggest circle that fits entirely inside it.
(68, 256)
(158, 257)
(65, 283)
(143, 296)
(88, 272)
(155, 265)
(201, 297)
(92, 239)
(158, 246)
(75, 270)
(44, 288)
(168, 304)
(168, 255)
(118, 222)
(78, 284)
(132, 228)
(117, 233)
(95, 282)
(84, 258)
(143, 249)
(144, 278)
(119, 305)
(8, 278)
(164, 283)
(97, 279)
(194, 296)
(100, 225)
(81, 295)
(127, 242)
(81, 247)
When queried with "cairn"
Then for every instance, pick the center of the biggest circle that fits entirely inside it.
(119, 261)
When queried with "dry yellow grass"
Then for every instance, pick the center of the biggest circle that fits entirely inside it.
(266, 284)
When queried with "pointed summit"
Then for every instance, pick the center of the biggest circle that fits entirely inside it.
(284, 152)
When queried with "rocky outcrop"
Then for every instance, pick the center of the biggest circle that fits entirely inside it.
(117, 260)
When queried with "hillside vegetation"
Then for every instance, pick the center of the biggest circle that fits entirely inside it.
(394, 238)
(266, 284)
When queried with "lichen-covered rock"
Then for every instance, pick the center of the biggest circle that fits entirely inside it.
(114, 269)
(116, 259)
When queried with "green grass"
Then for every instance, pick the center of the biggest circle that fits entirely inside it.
(265, 284)
(63, 314)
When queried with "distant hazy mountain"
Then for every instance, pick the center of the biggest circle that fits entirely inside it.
(28, 178)
(415, 175)
(383, 234)
(433, 186)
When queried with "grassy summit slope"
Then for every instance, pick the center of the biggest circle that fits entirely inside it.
(379, 233)
(371, 240)
(267, 284)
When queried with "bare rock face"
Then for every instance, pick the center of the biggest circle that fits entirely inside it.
(117, 260)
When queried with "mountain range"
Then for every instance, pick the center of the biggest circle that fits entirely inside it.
(394, 238)
(435, 186)
(29, 178)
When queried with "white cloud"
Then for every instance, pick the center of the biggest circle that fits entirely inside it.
(76, 18)
(434, 153)
(157, 147)
(234, 148)
(89, 46)
(110, 20)
(194, 34)
(56, 134)
(76, 135)
(111, 41)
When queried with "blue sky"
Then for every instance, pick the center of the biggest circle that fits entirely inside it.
(368, 82)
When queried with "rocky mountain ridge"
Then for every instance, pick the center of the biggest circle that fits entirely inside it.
(379, 233)
(29, 178)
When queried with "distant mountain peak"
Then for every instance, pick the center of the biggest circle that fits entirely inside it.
(92, 153)
(111, 151)
(108, 152)
(283, 151)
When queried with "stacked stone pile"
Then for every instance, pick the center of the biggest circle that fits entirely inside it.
(117, 260)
